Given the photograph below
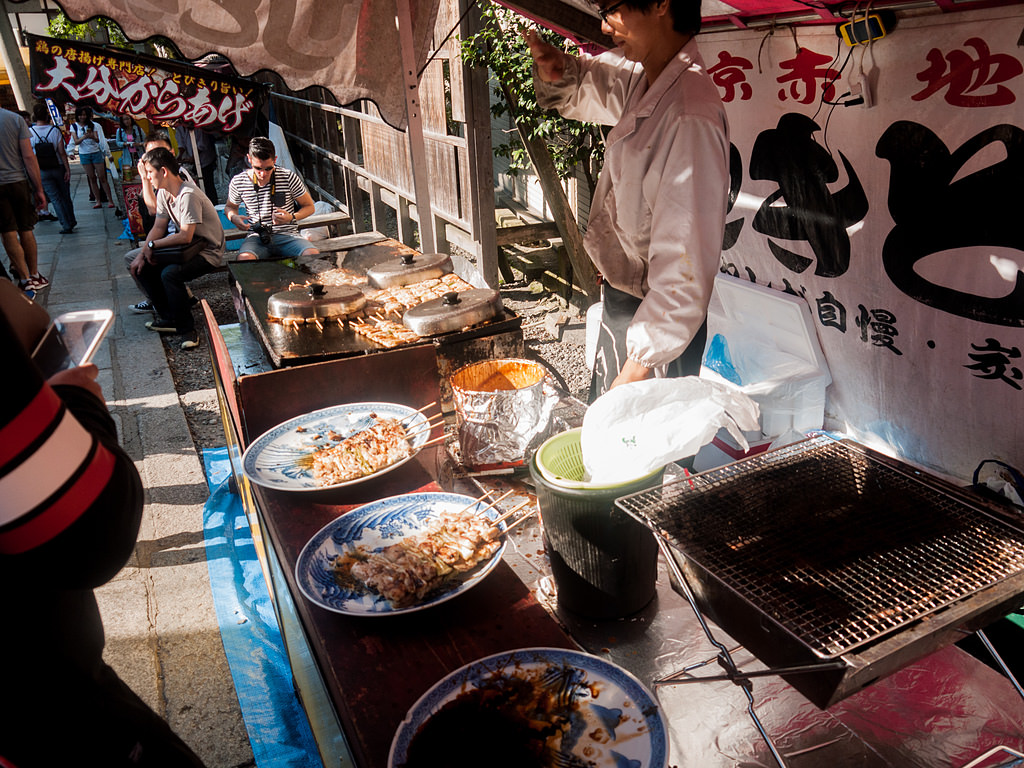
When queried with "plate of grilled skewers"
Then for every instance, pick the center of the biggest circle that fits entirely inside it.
(404, 553)
(338, 446)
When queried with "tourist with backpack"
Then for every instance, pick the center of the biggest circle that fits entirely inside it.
(48, 144)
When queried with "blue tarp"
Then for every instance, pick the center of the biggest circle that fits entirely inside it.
(278, 729)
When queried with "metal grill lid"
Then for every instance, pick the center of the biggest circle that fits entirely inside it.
(409, 268)
(315, 302)
(453, 311)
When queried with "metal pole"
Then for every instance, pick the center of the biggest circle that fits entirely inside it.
(195, 158)
(11, 51)
(414, 128)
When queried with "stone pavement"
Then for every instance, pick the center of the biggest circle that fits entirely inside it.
(161, 628)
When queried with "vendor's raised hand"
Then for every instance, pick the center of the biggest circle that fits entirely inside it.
(549, 60)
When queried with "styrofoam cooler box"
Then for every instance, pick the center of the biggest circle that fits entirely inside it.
(724, 449)
(593, 326)
(770, 327)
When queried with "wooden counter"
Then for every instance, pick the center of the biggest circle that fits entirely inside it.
(357, 677)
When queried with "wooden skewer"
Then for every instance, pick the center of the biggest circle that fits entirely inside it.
(474, 502)
(421, 410)
(433, 416)
(431, 423)
(489, 506)
(511, 512)
(514, 523)
(435, 440)
(427, 429)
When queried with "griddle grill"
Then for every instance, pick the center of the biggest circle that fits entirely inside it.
(827, 556)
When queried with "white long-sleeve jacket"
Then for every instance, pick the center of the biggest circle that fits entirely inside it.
(658, 214)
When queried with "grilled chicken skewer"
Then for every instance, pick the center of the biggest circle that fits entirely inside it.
(406, 571)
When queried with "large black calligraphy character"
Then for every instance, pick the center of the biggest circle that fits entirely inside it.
(937, 211)
(732, 228)
(803, 169)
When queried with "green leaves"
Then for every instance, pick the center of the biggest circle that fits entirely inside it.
(499, 47)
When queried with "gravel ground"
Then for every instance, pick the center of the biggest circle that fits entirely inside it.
(193, 374)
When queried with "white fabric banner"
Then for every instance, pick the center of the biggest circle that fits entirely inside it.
(898, 219)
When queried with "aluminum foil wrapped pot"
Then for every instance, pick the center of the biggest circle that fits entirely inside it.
(501, 408)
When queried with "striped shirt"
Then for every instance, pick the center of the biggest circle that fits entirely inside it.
(282, 191)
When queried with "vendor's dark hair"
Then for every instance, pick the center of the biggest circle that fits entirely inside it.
(40, 112)
(262, 148)
(685, 13)
(158, 158)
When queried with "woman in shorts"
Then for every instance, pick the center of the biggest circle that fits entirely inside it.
(90, 143)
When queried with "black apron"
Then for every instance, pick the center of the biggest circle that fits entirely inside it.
(617, 314)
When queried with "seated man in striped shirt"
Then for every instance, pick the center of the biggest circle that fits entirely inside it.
(274, 199)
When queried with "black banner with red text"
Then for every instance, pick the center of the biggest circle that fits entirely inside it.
(124, 82)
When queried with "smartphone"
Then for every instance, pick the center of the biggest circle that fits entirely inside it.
(71, 340)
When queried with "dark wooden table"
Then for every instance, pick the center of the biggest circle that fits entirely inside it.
(376, 668)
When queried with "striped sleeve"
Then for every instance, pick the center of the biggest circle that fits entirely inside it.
(51, 468)
(296, 186)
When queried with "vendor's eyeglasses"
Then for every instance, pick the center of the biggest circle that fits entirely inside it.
(604, 13)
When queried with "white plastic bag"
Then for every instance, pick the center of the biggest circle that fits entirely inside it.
(637, 428)
(318, 233)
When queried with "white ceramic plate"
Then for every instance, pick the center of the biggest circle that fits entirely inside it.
(374, 526)
(279, 458)
(610, 719)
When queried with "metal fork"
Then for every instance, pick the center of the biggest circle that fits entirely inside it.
(568, 760)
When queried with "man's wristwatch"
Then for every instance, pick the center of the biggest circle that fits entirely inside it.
(150, 244)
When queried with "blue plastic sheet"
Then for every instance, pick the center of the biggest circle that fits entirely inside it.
(275, 721)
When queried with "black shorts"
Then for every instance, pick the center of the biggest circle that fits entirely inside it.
(17, 208)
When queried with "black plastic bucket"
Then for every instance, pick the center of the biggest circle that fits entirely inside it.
(603, 561)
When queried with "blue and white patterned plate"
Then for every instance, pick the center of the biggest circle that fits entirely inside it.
(613, 721)
(280, 458)
(372, 527)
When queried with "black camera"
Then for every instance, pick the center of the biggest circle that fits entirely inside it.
(263, 230)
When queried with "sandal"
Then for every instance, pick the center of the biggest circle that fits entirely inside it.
(98, 205)
(111, 205)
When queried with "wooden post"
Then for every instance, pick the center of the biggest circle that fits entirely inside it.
(414, 129)
(481, 159)
(350, 138)
(584, 275)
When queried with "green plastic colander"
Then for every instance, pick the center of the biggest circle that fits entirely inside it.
(560, 461)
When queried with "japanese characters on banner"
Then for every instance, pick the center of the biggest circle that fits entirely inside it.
(124, 82)
(885, 185)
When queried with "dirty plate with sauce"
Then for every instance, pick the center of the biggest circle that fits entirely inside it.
(534, 708)
(282, 457)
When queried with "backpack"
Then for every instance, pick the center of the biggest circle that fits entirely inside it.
(46, 153)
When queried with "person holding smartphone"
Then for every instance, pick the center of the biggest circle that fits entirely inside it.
(71, 508)
(274, 199)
